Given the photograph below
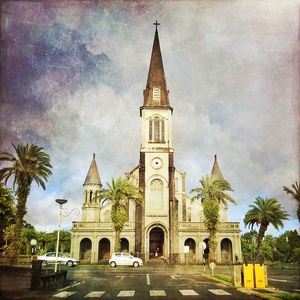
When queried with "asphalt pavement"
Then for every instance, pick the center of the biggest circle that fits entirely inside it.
(147, 282)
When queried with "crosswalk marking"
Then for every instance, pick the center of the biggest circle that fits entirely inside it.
(131, 293)
(188, 292)
(126, 294)
(219, 292)
(63, 294)
(157, 293)
(95, 294)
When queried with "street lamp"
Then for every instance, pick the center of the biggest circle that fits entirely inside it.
(62, 212)
(60, 202)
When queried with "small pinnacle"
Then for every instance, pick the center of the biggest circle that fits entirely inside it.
(94, 155)
(215, 156)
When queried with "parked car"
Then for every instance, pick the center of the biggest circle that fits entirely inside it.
(50, 258)
(124, 259)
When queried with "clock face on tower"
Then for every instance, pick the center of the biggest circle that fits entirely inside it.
(156, 163)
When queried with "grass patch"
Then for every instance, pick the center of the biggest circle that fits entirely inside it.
(287, 296)
(223, 277)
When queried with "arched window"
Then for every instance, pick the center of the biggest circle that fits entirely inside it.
(157, 130)
(156, 188)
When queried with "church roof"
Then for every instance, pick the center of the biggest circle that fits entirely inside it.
(216, 171)
(92, 176)
(156, 77)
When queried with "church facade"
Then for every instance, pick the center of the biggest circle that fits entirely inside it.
(168, 223)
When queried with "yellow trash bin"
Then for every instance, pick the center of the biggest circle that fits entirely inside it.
(259, 276)
(248, 276)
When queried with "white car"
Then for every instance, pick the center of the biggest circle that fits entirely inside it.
(124, 259)
(50, 258)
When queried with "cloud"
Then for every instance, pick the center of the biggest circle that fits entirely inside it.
(74, 79)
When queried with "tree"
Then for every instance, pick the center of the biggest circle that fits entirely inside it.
(248, 243)
(295, 192)
(287, 246)
(65, 241)
(119, 192)
(6, 211)
(212, 193)
(268, 246)
(30, 164)
(264, 212)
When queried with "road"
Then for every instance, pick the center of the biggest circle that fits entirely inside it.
(286, 280)
(142, 283)
(102, 282)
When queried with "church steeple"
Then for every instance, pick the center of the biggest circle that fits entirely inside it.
(216, 171)
(156, 93)
(92, 176)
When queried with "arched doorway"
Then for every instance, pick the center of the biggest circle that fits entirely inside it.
(85, 250)
(156, 242)
(124, 245)
(206, 250)
(104, 249)
(226, 250)
(192, 245)
(190, 256)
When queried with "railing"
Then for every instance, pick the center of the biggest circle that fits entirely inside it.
(99, 225)
(200, 226)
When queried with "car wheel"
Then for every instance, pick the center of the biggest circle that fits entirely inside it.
(136, 264)
(113, 264)
(70, 263)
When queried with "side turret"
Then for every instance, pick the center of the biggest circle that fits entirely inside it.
(216, 171)
(91, 194)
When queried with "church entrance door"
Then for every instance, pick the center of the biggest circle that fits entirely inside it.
(85, 251)
(156, 243)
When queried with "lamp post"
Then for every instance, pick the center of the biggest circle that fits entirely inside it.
(60, 202)
(62, 212)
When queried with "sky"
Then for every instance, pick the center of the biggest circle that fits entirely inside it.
(72, 80)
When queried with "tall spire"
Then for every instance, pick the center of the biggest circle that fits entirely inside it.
(216, 171)
(156, 93)
(92, 176)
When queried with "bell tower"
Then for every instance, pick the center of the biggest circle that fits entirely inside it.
(156, 166)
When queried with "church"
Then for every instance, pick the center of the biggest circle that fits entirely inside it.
(168, 223)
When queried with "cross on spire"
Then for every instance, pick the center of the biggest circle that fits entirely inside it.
(156, 24)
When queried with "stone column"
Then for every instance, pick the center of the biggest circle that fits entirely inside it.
(95, 249)
(140, 213)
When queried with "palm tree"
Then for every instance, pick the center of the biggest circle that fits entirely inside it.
(212, 192)
(119, 192)
(30, 164)
(263, 213)
(295, 192)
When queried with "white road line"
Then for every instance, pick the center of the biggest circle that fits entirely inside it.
(175, 276)
(95, 294)
(64, 294)
(280, 280)
(219, 292)
(188, 293)
(148, 279)
(121, 277)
